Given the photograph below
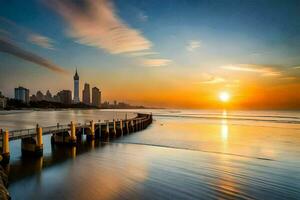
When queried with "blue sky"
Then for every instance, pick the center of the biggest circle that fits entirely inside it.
(118, 44)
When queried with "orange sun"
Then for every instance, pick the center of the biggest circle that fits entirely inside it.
(224, 96)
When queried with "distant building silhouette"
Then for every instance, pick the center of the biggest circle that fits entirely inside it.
(48, 96)
(86, 96)
(33, 98)
(76, 88)
(65, 96)
(56, 98)
(3, 101)
(96, 97)
(22, 94)
(39, 96)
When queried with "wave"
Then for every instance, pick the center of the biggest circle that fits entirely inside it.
(193, 149)
(241, 115)
(231, 118)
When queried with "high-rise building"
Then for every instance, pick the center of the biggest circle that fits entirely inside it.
(76, 88)
(96, 97)
(86, 96)
(3, 101)
(22, 94)
(65, 96)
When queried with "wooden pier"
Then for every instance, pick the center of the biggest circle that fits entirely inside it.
(69, 134)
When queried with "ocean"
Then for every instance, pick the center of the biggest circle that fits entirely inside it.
(183, 154)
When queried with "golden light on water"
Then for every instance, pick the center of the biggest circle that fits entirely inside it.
(224, 127)
(224, 96)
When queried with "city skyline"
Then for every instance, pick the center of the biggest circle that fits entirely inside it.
(179, 54)
(63, 96)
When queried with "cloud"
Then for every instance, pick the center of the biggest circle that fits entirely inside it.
(214, 80)
(156, 62)
(142, 53)
(297, 67)
(18, 32)
(288, 78)
(142, 17)
(10, 48)
(258, 69)
(41, 41)
(95, 23)
(207, 78)
(193, 45)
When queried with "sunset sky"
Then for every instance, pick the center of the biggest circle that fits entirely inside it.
(162, 53)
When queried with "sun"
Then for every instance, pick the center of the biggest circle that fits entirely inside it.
(224, 96)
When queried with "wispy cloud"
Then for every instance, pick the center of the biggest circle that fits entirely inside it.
(18, 32)
(142, 16)
(142, 53)
(214, 80)
(251, 68)
(155, 62)
(95, 23)
(41, 41)
(193, 45)
(297, 67)
(9, 47)
(210, 79)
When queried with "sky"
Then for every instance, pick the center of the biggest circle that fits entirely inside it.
(171, 53)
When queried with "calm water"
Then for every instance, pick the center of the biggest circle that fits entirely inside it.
(184, 154)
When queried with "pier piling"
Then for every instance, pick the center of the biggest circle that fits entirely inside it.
(73, 138)
(5, 147)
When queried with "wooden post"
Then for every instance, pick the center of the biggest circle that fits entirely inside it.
(92, 129)
(132, 125)
(39, 141)
(99, 128)
(127, 127)
(121, 126)
(5, 147)
(114, 123)
(39, 136)
(73, 133)
(140, 124)
(107, 127)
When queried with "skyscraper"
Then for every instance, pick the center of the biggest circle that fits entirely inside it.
(76, 88)
(96, 97)
(65, 96)
(86, 94)
(22, 94)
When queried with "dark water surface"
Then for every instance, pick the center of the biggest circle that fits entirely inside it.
(184, 154)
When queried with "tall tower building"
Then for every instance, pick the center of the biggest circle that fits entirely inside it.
(22, 94)
(96, 97)
(86, 94)
(76, 88)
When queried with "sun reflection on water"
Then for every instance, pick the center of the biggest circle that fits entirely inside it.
(224, 127)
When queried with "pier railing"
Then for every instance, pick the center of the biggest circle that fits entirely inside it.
(68, 133)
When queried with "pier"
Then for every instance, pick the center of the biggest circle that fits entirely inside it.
(70, 134)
